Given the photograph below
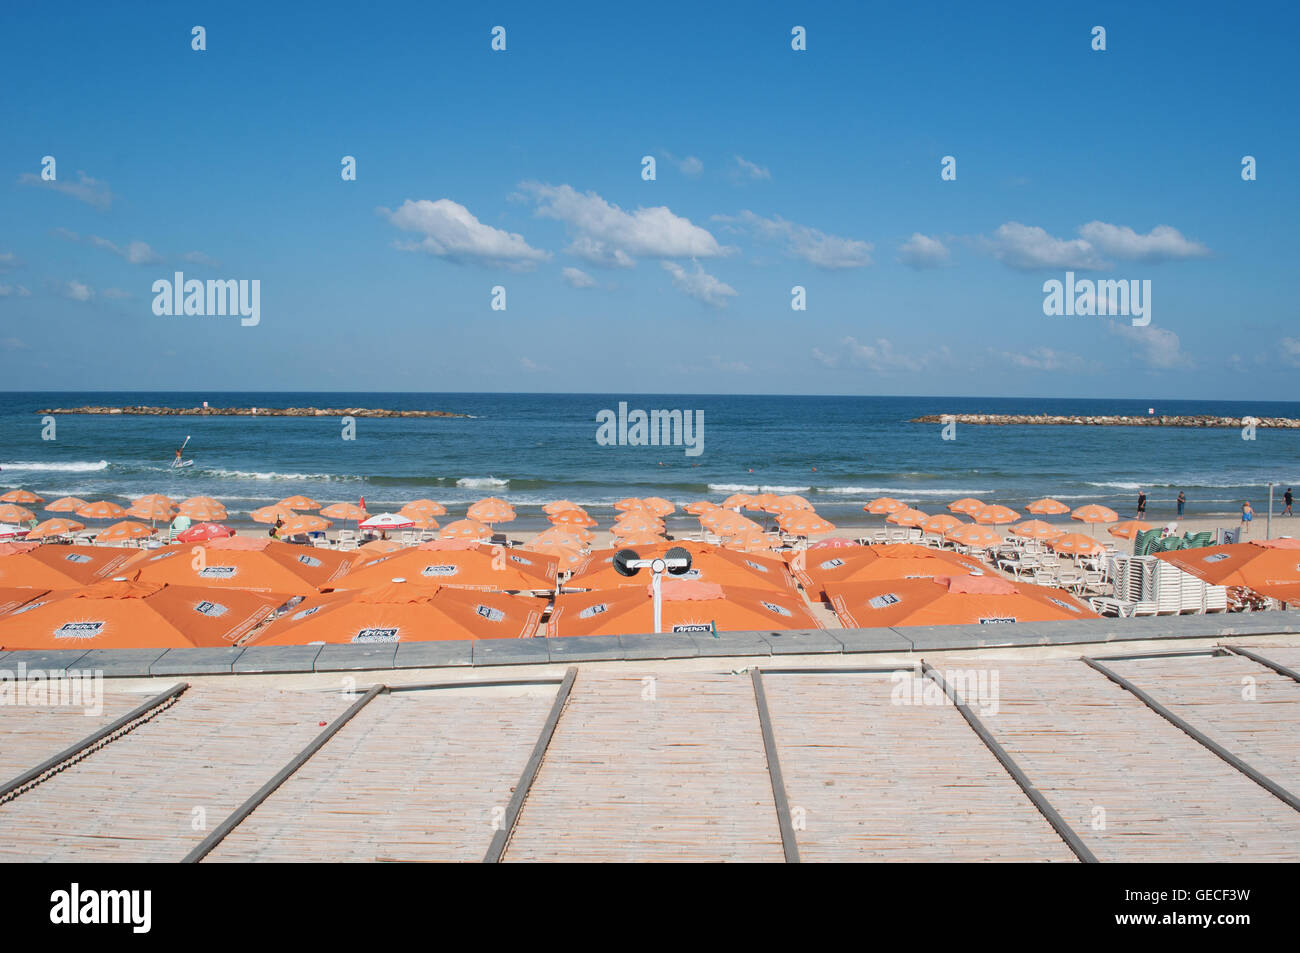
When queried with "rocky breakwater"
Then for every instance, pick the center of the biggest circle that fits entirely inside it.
(248, 412)
(1149, 420)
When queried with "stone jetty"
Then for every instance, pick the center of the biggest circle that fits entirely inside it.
(248, 412)
(1136, 420)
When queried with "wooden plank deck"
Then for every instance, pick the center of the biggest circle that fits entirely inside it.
(1288, 656)
(137, 799)
(415, 776)
(879, 781)
(672, 770)
(33, 733)
(1257, 720)
(1132, 785)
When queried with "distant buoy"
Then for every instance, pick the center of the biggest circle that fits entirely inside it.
(1151, 410)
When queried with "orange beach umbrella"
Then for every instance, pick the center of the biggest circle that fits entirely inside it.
(123, 532)
(1036, 529)
(406, 612)
(59, 567)
(132, 614)
(457, 563)
(687, 606)
(269, 514)
(299, 503)
(1047, 507)
(55, 527)
(244, 562)
(950, 600)
(101, 510)
(13, 513)
(65, 504)
(25, 497)
(466, 529)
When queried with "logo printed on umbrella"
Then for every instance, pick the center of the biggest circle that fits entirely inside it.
(211, 609)
(77, 558)
(831, 564)
(306, 612)
(1064, 605)
(309, 561)
(489, 613)
(754, 565)
(218, 572)
(996, 620)
(886, 599)
(590, 611)
(773, 607)
(79, 630)
(693, 627)
(27, 608)
(376, 635)
(520, 559)
(442, 569)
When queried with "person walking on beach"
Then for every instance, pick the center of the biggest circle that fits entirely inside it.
(1287, 499)
(1182, 501)
(1142, 504)
(1247, 514)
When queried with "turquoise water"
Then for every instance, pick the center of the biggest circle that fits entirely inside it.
(533, 448)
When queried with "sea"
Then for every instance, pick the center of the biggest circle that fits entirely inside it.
(839, 452)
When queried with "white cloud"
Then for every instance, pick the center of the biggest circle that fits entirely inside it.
(1291, 351)
(528, 364)
(1043, 359)
(137, 252)
(8, 260)
(746, 171)
(452, 232)
(1156, 347)
(830, 252)
(578, 278)
(1162, 243)
(879, 356)
(609, 236)
(78, 291)
(690, 165)
(700, 284)
(199, 258)
(85, 189)
(922, 251)
(117, 294)
(1029, 248)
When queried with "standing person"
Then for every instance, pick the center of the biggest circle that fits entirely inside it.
(1142, 504)
(1287, 499)
(1247, 514)
(1182, 501)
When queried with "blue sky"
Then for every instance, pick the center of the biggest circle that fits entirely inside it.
(775, 168)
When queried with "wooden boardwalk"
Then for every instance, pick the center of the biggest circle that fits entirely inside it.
(870, 778)
(415, 776)
(141, 797)
(33, 733)
(1133, 786)
(1244, 706)
(669, 762)
(663, 767)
